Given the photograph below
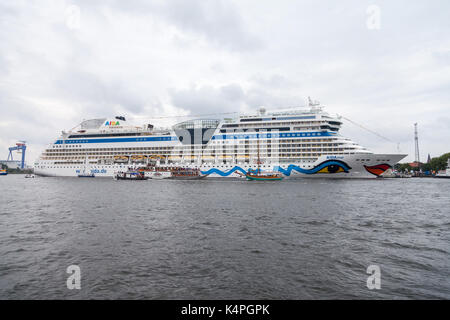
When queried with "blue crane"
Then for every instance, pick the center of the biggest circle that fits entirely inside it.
(20, 147)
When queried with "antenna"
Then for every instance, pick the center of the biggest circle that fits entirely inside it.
(315, 105)
(312, 103)
(416, 140)
(369, 130)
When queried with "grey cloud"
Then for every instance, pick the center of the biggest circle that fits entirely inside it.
(442, 57)
(23, 123)
(231, 98)
(232, 92)
(272, 81)
(217, 20)
(4, 66)
(208, 99)
(96, 94)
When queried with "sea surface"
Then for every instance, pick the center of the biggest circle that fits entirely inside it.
(224, 239)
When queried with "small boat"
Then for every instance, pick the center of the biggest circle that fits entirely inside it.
(158, 176)
(444, 174)
(402, 175)
(178, 173)
(3, 172)
(32, 176)
(154, 172)
(130, 175)
(186, 174)
(258, 175)
(86, 175)
(263, 176)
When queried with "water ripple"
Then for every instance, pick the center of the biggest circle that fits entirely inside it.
(224, 239)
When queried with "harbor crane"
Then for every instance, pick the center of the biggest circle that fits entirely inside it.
(19, 147)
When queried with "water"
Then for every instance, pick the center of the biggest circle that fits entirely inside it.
(224, 239)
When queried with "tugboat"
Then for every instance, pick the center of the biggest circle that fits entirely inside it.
(3, 172)
(258, 175)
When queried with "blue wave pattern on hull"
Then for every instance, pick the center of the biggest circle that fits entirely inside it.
(286, 172)
(224, 173)
(291, 167)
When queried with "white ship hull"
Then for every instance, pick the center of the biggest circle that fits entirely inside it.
(342, 166)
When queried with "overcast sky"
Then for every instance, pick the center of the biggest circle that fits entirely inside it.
(383, 64)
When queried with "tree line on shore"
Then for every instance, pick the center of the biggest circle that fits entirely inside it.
(435, 164)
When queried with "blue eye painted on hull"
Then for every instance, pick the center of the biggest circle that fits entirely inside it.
(329, 166)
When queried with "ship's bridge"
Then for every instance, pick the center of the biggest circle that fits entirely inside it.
(197, 131)
(102, 127)
(102, 124)
(92, 124)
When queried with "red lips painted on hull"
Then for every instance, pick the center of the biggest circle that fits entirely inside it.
(379, 169)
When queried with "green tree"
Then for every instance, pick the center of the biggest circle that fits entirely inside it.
(438, 163)
(403, 167)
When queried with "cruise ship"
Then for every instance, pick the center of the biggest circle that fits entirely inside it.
(299, 143)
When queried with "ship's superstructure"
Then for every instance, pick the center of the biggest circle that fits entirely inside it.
(297, 143)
